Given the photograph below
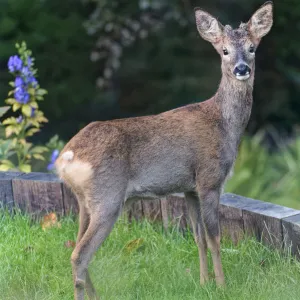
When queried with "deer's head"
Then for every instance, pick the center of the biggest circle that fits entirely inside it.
(236, 46)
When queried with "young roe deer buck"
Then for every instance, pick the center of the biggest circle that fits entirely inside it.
(190, 149)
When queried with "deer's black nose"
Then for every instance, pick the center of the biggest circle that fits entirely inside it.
(241, 70)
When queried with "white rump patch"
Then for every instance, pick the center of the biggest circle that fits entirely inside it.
(79, 172)
(68, 155)
(73, 170)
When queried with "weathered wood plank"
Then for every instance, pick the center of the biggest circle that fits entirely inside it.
(261, 219)
(69, 201)
(165, 215)
(265, 228)
(38, 193)
(231, 223)
(178, 211)
(257, 206)
(152, 210)
(6, 191)
(291, 234)
(134, 210)
(174, 212)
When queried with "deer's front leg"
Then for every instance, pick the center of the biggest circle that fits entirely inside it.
(210, 198)
(194, 211)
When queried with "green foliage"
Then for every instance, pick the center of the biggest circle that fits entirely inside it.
(272, 177)
(55, 143)
(287, 161)
(254, 173)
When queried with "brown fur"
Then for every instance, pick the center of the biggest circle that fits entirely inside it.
(189, 149)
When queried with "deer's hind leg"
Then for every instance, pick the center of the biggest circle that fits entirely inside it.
(84, 221)
(194, 211)
(104, 206)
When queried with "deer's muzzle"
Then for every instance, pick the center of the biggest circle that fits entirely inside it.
(242, 71)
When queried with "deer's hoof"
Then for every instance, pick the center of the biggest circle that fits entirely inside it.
(220, 281)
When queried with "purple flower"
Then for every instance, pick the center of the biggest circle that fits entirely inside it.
(19, 81)
(29, 61)
(32, 112)
(53, 158)
(19, 119)
(54, 155)
(24, 80)
(50, 166)
(33, 81)
(26, 72)
(21, 95)
(14, 63)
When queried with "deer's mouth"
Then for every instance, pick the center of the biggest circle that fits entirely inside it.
(242, 76)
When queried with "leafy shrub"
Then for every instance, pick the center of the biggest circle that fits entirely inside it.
(17, 152)
(287, 161)
(272, 177)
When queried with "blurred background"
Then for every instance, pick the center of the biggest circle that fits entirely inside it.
(105, 59)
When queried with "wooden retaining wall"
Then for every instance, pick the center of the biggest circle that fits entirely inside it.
(277, 226)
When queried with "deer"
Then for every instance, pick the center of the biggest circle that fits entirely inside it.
(190, 150)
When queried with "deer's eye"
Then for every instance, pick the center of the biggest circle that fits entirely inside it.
(225, 51)
(251, 49)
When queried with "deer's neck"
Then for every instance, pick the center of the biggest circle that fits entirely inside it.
(234, 98)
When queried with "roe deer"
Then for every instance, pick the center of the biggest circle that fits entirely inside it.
(190, 149)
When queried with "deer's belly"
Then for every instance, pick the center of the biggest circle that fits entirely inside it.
(158, 181)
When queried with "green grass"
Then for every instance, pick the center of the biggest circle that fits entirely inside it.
(35, 265)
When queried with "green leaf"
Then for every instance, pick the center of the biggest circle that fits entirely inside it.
(25, 168)
(10, 121)
(8, 163)
(41, 92)
(34, 104)
(14, 142)
(10, 101)
(38, 156)
(11, 83)
(35, 123)
(32, 131)
(39, 149)
(31, 91)
(4, 167)
(3, 110)
(26, 110)
(9, 130)
(16, 106)
(42, 119)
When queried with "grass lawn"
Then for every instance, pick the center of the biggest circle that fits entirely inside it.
(35, 264)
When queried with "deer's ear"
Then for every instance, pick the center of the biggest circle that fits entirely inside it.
(208, 26)
(261, 21)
